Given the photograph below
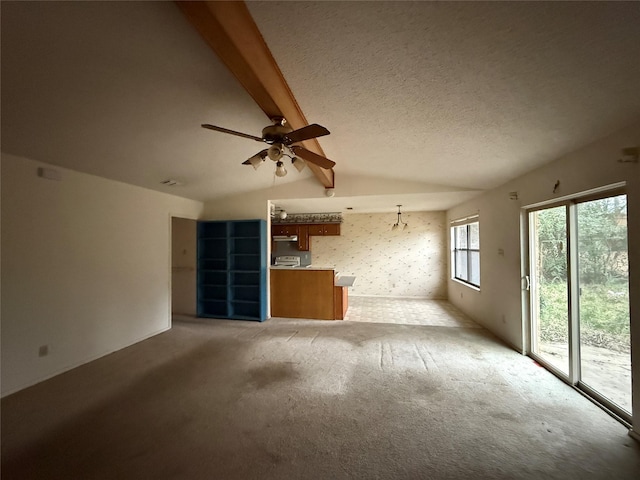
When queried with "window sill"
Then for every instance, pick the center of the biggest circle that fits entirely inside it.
(468, 285)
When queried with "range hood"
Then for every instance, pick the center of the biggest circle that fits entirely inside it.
(285, 238)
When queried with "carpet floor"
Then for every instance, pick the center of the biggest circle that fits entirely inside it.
(304, 399)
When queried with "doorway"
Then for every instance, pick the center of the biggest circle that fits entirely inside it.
(579, 296)
(183, 266)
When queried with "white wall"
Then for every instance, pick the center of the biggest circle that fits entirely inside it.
(500, 302)
(247, 205)
(403, 263)
(85, 268)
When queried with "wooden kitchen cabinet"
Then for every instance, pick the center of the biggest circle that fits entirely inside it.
(309, 293)
(304, 232)
(284, 230)
(324, 229)
(303, 293)
(303, 238)
(340, 302)
(332, 229)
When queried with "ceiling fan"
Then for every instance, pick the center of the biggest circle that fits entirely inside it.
(282, 139)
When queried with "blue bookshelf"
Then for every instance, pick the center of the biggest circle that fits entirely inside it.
(232, 269)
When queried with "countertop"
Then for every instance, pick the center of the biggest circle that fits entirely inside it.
(341, 280)
(345, 281)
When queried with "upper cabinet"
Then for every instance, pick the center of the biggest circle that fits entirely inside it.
(287, 230)
(304, 232)
(324, 229)
(303, 238)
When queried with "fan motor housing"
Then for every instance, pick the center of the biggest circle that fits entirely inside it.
(275, 133)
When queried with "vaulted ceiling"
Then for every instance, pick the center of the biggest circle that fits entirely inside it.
(463, 95)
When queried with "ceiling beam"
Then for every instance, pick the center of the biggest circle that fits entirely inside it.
(230, 31)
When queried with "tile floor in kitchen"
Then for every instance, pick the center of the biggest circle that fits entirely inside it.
(409, 311)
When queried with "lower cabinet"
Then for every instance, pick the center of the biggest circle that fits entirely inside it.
(232, 269)
(302, 293)
(340, 302)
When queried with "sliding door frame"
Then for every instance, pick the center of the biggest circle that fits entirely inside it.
(569, 377)
(573, 378)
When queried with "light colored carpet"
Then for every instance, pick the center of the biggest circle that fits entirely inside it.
(300, 399)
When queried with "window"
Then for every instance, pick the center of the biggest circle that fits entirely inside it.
(465, 240)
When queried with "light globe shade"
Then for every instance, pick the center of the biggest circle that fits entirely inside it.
(256, 161)
(298, 163)
(275, 152)
(280, 170)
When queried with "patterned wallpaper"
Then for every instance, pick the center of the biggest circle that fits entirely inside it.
(403, 263)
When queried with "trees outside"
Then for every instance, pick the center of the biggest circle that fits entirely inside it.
(602, 268)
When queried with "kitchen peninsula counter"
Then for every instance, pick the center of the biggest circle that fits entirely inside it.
(307, 293)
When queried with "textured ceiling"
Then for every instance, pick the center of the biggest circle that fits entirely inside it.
(119, 90)
(467, 95)
(470, 94)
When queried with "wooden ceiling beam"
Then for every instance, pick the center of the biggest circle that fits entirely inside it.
(232, 34)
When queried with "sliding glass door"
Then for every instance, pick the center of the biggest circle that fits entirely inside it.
(580, 323)
(603, 275)
(550, 286)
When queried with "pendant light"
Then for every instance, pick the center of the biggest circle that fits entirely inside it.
(399, 222)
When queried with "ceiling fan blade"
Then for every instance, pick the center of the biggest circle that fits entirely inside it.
(312, 157)
(261, 154)
(232, 132)
(310, 131)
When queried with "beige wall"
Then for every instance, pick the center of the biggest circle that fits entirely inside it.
(85, 268)
(183, 266)
(500, 305)
(404, 263)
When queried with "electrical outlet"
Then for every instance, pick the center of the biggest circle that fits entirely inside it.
(43, 351)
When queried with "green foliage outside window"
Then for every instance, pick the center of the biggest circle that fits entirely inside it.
(603, 274)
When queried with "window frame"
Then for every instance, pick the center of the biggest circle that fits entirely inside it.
(455, 250)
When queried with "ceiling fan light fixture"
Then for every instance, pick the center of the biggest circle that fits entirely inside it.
(256, 161)
(281, 139)
(275, 152)
(280, 170)
(298, 163)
